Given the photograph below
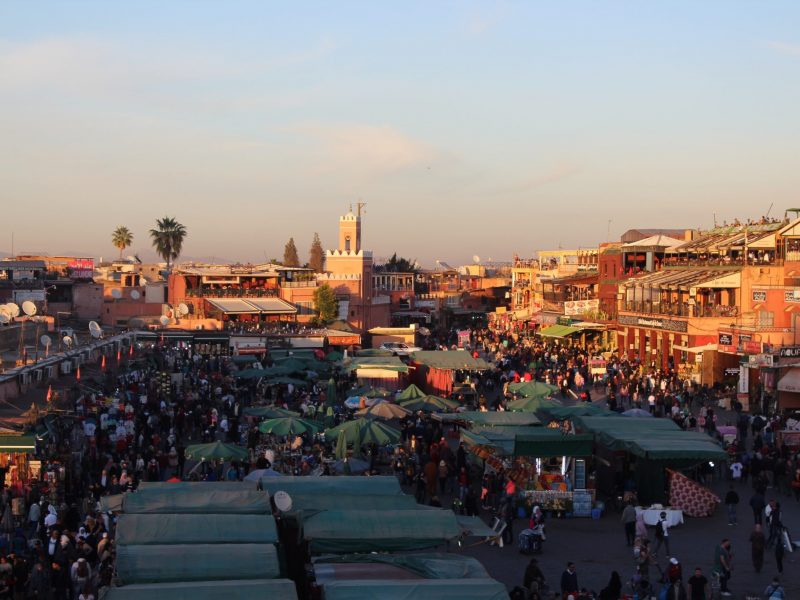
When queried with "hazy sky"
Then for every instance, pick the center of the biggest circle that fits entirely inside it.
(468, 128)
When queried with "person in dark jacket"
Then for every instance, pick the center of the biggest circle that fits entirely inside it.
(614, 588)
(569, 581)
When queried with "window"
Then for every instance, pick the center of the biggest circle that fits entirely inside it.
(765, 318)
(347, 243)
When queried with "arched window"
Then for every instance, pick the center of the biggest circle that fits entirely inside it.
(347, 244)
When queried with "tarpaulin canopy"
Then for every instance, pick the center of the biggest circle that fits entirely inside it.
(543, 442)
(111, 503)
(427, 565)
(474, 526)
(142, 529)
(532, 389)
(412, 392)
(578, 410)
(531, 404)
(240, 589)
(197, 562)
(790, 382)
(429, 403)
(429, 589)
(452, 360)
(342, 484)
(387, 363)
(655, 439)
(228, 486)
(216, 451)
(503, 444)
(558, 331)
(269, 412)
(196, 501)
(489, 418)
(315, 502)
(338, 531)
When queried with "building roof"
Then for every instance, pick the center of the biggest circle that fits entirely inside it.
(23, 265)
(655, 241)
(633, 235)
(252, 306)
(735, 236)
(689, 278)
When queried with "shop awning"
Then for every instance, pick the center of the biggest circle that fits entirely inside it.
(387, 363)
(790, 382)
(558, 331)
(450, 360)
(18, 443)
(233, 306)
(493, 418)
(272, 306)
(545, 442)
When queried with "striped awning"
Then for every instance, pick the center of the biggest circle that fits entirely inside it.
(253, 306)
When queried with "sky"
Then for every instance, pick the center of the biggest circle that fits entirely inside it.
(468, 128)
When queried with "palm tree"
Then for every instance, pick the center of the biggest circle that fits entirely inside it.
(122, 238)
(168, 239)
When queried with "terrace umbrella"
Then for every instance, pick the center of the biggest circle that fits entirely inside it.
(429, 404)
(532, 389)
(531, 404)
(216, 451)
(365, 431)
(341, 446)
(269, 412)
(637, 413)
(384, 410)
(412, 392)
(330, 396)
(289, 426)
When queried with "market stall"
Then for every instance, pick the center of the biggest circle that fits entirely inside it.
(438, 372)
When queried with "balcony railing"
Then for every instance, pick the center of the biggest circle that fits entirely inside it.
(232, 293)
(683, 309)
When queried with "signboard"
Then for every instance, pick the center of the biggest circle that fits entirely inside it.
(732, 371)
(564, 321)
(725, 339)
(344, 340)
(580, 474)
(743, 386)
(597, 366)
(21, 274)
(750, 347)
(761, 360)
(790, 352)
(579, 307)
(791, 296)
(581, 503)
(81, 268)
(759, 296)
(654, 323)
(463, 338)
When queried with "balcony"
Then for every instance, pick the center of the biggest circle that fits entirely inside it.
(232, 293)
(681, 309)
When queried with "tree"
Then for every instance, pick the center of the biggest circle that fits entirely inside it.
(290, 258)
(325, 304)
(168, 239)
(400, 265)
(316, 256)
(122, 238)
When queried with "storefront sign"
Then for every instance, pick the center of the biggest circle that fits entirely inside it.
(744, 380)
(759, 296)
(725, 339)
(761, 360)
(344, 340)
(749, 347)
(81, 268)
(732, 371)
(564, 321)
(791, 296)
(790, 352)
(654, 323)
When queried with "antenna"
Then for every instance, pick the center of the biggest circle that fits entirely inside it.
(4, 318)
(164, 320)
(13, 309)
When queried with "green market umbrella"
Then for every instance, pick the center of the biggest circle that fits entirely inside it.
(269, 412)
(330, 396)
(377, 393)
(384, 410)
(287, 381)
(293, 365)
(288, 426)
(532, 389)
(532, 404)
(429, 404)
(334, 356)
(365, 431)
(216, 451)
(412, 392)
(341, 446)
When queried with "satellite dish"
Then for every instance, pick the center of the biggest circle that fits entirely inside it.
(135, 294)
(4, 318)
(164, 320)
(94, 329)
(476, 258)
(131, 258)
(45, 340)
(13, 309)
(283, 501)
(116, 293)
(183, 309)
(29, 308)
(67, 341)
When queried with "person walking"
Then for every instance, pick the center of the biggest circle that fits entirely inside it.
(731, 503)
(779, 551)
(757, 545)
(757, 503)
(569, 581)
(722, 565)
(775, 590)
(629, 521)
(662, 534)
(698, 585)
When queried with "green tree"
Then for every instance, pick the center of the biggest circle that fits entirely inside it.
(400, 265)
(122, 238)
(325, 304)
(316, 255)
(168, 239)
(290, 258)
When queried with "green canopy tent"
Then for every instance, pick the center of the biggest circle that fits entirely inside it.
(160, 529)
(239, 589)
(365, 431)
(558, 331)
(544, 442)
(333, 486)
(283, 426)
(412, 392)
(426, 589)
(428, 565)
(292, 364)
(340, 452)
(309, 503)
(532, 404)
(429, 404)
(334, 356)
(269, 412)
(532, 389)
(216, 451)
(584, 409)
(197, 486)
(494, 418)
(243, 359)
(196, 562)
(338, 531)
(199, 500)
(288, 381)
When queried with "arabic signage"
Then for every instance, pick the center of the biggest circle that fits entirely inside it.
(725, 339)
(749, 347)
(791, 296)
(759, 296)
(81, 268)
(654, 323)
